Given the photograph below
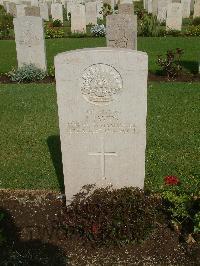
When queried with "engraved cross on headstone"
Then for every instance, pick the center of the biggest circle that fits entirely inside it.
(103, 155)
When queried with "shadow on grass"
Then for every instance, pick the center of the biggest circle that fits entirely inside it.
(54, 145)
(191, 66)
(32, 252)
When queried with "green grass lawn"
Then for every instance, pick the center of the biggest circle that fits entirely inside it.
(152, 45)
(30, 153)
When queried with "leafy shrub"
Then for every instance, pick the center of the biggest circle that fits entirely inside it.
(196, 21)
(27, 73)
(6, 24)
(193, 31)
(57, 23)
(98, 30)
(51, 33)
(107, 9)
(109, 215)
(149, 26)
(170, 63)
(184, 210)
(182, 204)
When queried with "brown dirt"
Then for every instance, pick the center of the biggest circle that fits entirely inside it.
(4, 79)
(32, 228)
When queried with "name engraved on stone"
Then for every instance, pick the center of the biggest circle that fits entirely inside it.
(100, 83)
(103, 155)
(100, 122)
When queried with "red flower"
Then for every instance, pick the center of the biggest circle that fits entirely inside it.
(171, 180)
(95, 228)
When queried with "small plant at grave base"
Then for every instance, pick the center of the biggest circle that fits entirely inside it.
(27, 73)
(170, 64)
(182, 205)
(98, 30)
(112, 216)
(57, 23)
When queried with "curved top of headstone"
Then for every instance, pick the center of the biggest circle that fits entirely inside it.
(93, 55)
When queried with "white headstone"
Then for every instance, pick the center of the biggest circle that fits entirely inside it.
(174, 16)
(102, 106)
(91, 13)
(162, 9)
(196, 9)
(150, 6)
(121, 31)
(57, 12)
(185, 8)
(78, 18)
(20, 10)
(155, 7)
(44, 12)
(100, 9)
(29, 38)
(34, 3)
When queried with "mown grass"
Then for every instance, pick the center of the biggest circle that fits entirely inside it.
(30, 153)
(152, 45)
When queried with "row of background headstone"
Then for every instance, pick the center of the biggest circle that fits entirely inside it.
(29, 34)
(173, 11)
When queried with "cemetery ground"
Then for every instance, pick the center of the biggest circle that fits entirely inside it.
(31, 169)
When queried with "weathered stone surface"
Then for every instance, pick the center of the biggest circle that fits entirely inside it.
(185, 8)
(27, 3)
(99, 9)
(57, 11)
(78, 18)
(155, 7)
(150, 6)
(44, 11)
(121, 31)
(11, 8)
(32, 11)
(91, 13)
(174, 16)
(20, 10)
(126, 9)
(126, 2)
(34, 3)
(29, 38)
(102, 105)
(196, 9)
(162, 9)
